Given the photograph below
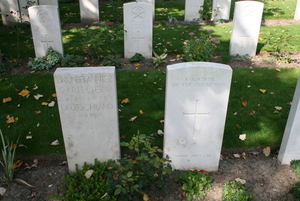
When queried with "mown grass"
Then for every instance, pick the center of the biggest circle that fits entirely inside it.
(262, 123)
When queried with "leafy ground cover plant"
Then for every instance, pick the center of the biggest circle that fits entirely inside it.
(235, 191)
(70, 60)
(51, 58)
(89, 184)
(112, 60)
(195, 183)
(8, 154)
(143, 168)
(200, 47)
(138, 58)
(296, 190)
(159, 59)
(295, 164)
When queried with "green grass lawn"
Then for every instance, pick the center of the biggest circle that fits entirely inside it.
(263, 124)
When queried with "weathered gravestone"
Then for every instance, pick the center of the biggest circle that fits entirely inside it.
(46, 29)
(138, 26)
(10, 11)
(89, 11)
(246, 27)
(290, 145)
(192, 8)
(195, 110)
(87, 102)
(297, 11)
(48, 2)
(221, 9)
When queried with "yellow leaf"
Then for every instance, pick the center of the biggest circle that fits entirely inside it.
(244, 104)
(126, 100)
(24, 92)
(44, 103)
(10, 120)
(178, 55)
(68, 37)
(137, 64)
(263, 90)
(54, 95)
(8, 99)
(278, 69)
(261, 39)
(145, 197)
(142, 112)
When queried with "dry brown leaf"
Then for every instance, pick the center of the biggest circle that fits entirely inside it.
(51, 104)
(252, 112)
(54, 95)
(267, 151)
(241, 180)
(132, 118)
(24, 92)
(244, 104)
(10, 120)
(38, 96)
(55, 142)
(142, 112)
(88, 174)
(263, 90)
(6, 100)
(242, 137)
(126, 100)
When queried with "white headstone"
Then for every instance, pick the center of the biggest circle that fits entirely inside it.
(246, 27)
(221, 10)
(89, 11)
(192, 8)
(297, 11)
(24, 4)
(87, 102)
(138, 26)
(149, 1)
(10, 11)
(48, 2)
(290, 145)
(46, 29)
(196, 104)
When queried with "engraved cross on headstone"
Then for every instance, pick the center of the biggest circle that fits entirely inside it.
(47, 41)
(196, 114)
(138, 38)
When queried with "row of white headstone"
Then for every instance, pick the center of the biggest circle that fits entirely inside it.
(138, 23)
(14, 10)
(195, 111)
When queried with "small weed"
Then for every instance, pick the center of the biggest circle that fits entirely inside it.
(70, 60)
(8, 154)
(138, 58)
(51, 58)
(159, 59)
(112, 60)
(295, 164)
(195, 183)
(235, 191)
(226, 58)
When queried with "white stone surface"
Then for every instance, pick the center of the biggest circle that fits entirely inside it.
(9, 11)
(192, 8)
(195, 110)
(297, 11)
(87, 102)
(138, 26)
(246, 26)
(48, 2)
(290, 145)
(89, 11)
(46, 29)
(221, 9)
(149, 1)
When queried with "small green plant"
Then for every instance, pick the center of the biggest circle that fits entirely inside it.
(3, 68)
(71, 60)
(296, 190)
(159, 59)
(96, 43)
(140, 170)
(82, 188)
(279, 44)
(195, 183)
(226, 58)
(206, 10)
(295, 164)
(8, 154)
(172, 19)
(138, 58)
(235, 191)
(243, 58)
(112, 60)
(51, 58)
(200, 48)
